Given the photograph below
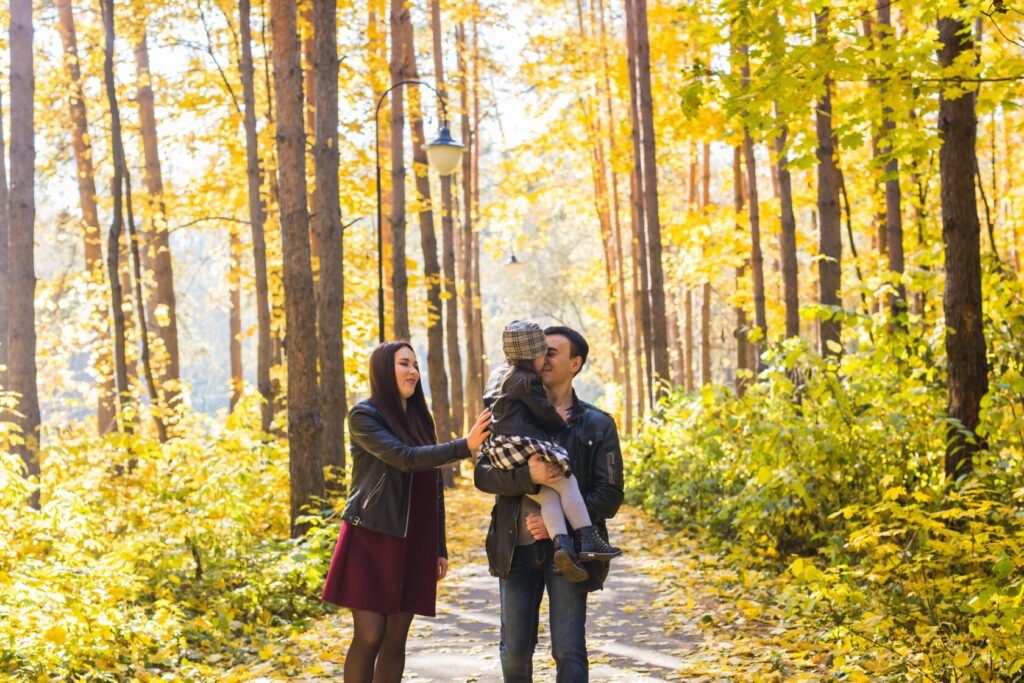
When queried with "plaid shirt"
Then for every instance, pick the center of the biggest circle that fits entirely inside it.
(507, 452)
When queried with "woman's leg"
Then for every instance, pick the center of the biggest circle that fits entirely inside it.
(571, 502)
(366, 643)
(391, 660)
(551, 510)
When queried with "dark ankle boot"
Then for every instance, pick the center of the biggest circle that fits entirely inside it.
(593, 547)
(565, 559)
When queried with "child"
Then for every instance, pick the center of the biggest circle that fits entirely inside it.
(522, 423)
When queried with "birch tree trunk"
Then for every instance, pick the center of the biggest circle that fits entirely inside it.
(961, 235)
(305, 428)
(21, 284)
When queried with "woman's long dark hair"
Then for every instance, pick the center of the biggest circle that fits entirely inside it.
(414, 425)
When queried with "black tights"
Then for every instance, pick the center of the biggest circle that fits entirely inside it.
(377, 652)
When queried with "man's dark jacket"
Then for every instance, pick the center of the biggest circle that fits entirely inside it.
(592, 441)
(382, 467)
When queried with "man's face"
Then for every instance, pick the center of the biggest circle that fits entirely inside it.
(559, 365)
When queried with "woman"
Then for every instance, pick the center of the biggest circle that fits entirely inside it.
(391, 551)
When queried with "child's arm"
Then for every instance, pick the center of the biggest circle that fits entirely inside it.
(530, 390)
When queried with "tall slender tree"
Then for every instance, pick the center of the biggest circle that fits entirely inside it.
(451, 295)
(327, 221)
(80, 142)
(787, 234)
(893, 194)
(257, 221)
(304, 423)
(830, 243)
(235, 315)
(158, 246)
(705, 297)
(5, 263)
(21, 284)
(399, 73)
(742, 324)
(961, 235)
(754, 214)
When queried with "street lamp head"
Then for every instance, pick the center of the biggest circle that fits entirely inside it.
(443, 153)
(513, 265)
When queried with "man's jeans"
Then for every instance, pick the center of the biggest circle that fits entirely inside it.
(532, 570)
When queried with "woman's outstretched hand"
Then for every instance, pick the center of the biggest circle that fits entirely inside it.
(480, 431)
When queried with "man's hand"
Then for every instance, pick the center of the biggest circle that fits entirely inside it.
(442, 568)
(543, 472)
(535, 525)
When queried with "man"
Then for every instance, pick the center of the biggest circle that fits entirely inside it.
(518, 548)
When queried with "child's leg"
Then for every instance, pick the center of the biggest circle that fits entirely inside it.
(551, 510)
(571, 502)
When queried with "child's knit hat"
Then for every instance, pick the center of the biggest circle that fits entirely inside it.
(523, 340)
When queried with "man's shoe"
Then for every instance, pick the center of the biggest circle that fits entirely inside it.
(593, 547)
(565, 559)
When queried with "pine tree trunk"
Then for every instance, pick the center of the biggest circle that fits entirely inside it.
(399, 72)
(378, 58)
(472, 394)
(304, 422)
(961, 235)
(477, 117)
(787, 236)
(688, 339)
(437, 376)
(5, 267)
(327, 223)
(21, 284)
(754, 213)
(158, 247)
(257, 220)
(742, 324)
(659, 333)
(235, 318)
(451, 295)
(307, 30)
(705, 302)
(90, 214)
(830, 245)
(643, 337)
(893, 195)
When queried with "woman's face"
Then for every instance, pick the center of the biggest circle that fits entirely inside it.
(407, 372)
(538, 363)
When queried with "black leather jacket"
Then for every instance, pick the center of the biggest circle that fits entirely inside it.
(520, 406)
(592, 441)
(382, 467)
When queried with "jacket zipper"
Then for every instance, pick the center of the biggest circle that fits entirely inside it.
(376, 488)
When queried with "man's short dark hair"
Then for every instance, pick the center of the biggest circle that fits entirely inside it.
(578, 346)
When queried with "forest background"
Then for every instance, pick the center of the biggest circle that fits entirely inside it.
(790, 231)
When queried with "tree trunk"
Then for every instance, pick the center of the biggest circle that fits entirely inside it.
(478, 320)
(893, 196)
(451, 295)
(304, 423)
(705, 303)
(830, 245)
(659, 334)
(787, 236)
(327, 221)
(235, 325)
(21, 285)
(644, 337)
(5, 268)
(688, 338)
(399, 72)
(90, 214)
(754, 213)
(158, 247)
(257, 220)
(742, 325)
(437, 376)
(307, 30)
(961, 235)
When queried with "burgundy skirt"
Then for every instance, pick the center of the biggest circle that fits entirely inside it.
(387, 574)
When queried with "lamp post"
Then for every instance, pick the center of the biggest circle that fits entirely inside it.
(443, 156)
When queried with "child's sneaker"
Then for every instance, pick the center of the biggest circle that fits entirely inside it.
(593, 547)
(565, 559)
